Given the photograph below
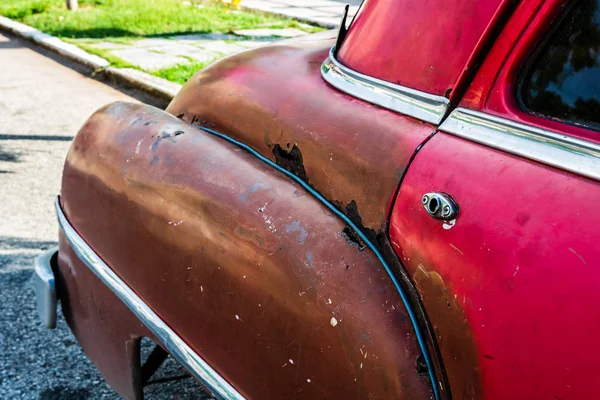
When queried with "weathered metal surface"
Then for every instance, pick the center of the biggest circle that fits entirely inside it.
(275, 100)
(429, 45)
(512, 286)
(251, 271)
(104, 327)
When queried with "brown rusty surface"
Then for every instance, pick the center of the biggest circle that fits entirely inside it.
(275, 100)
(104, 327)
(249, 269)
(455, 337)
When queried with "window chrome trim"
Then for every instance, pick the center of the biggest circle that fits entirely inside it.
(551, 148)
(424, 106)
(218, 386)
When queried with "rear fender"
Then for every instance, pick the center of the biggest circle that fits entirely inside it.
(256, 275)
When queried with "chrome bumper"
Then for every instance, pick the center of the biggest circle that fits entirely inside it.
(45, 288)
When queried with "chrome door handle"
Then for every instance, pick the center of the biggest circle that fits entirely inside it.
(440, 205)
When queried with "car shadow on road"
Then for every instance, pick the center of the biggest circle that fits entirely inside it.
(49, 364)
(8, 156)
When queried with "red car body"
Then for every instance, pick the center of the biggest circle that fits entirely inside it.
(268, 229)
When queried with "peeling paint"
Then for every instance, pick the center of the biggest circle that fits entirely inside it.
(252, 189)
(352, 238)
(296, 227)
(270, 226)
(309, 259)
(137, 148)
(449, 224)
(290, 160)
(364, 338)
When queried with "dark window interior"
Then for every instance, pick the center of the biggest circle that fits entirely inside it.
(564, 80)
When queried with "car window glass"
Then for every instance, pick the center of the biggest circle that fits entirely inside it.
(564, 81)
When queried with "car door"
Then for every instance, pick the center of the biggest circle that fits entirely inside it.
(512, 284)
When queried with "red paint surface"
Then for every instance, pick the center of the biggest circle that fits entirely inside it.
(494, 88)
(426, 45)
(352, 151)
(523, 260)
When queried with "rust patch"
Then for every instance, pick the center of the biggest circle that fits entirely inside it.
(290, 160)
(352, 238)
(454, 334)
(351, 211)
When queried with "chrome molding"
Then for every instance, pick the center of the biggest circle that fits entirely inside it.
(220, 388)
(417, 104)
(551, 148)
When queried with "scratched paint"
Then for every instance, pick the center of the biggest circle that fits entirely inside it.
(309, 259)
(281, 299)
(449, 224)
(255, 186)
(294, 227)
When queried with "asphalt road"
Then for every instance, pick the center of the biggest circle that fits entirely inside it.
(43, 102)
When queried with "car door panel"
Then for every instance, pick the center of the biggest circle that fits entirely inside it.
(511, 287)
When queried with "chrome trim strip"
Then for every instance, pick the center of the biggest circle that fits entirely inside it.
(424, 106)
(220, 388)
(551, 148)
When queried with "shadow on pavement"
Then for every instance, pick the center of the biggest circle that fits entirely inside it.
(6, 136)
(49, 364)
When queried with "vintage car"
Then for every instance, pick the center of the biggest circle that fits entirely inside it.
(406, 208)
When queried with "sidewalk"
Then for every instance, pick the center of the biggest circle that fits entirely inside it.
(164, 55)
(325, 13)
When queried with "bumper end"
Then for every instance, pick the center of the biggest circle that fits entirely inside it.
(45, 288)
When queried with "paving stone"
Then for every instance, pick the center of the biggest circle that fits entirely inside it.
(328, 20)
(263, 5)
(271, 33)
(326, 13)
(152, 42)
(221, 47)
(148, 60)
(161, 52)
(207, 36)
(108, 45)
(301, 12)
(332, 9)
(307, 3)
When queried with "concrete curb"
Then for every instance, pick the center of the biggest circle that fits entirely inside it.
(150, 84)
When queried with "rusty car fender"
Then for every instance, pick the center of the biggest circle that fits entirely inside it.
(266, 284)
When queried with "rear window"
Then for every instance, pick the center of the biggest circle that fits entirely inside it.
(564, 80)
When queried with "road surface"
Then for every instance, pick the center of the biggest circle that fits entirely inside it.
(43, 102)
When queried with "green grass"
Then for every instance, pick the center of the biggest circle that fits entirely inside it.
(125, 21)
(113, 60)
(134, 18)
(180, 73)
